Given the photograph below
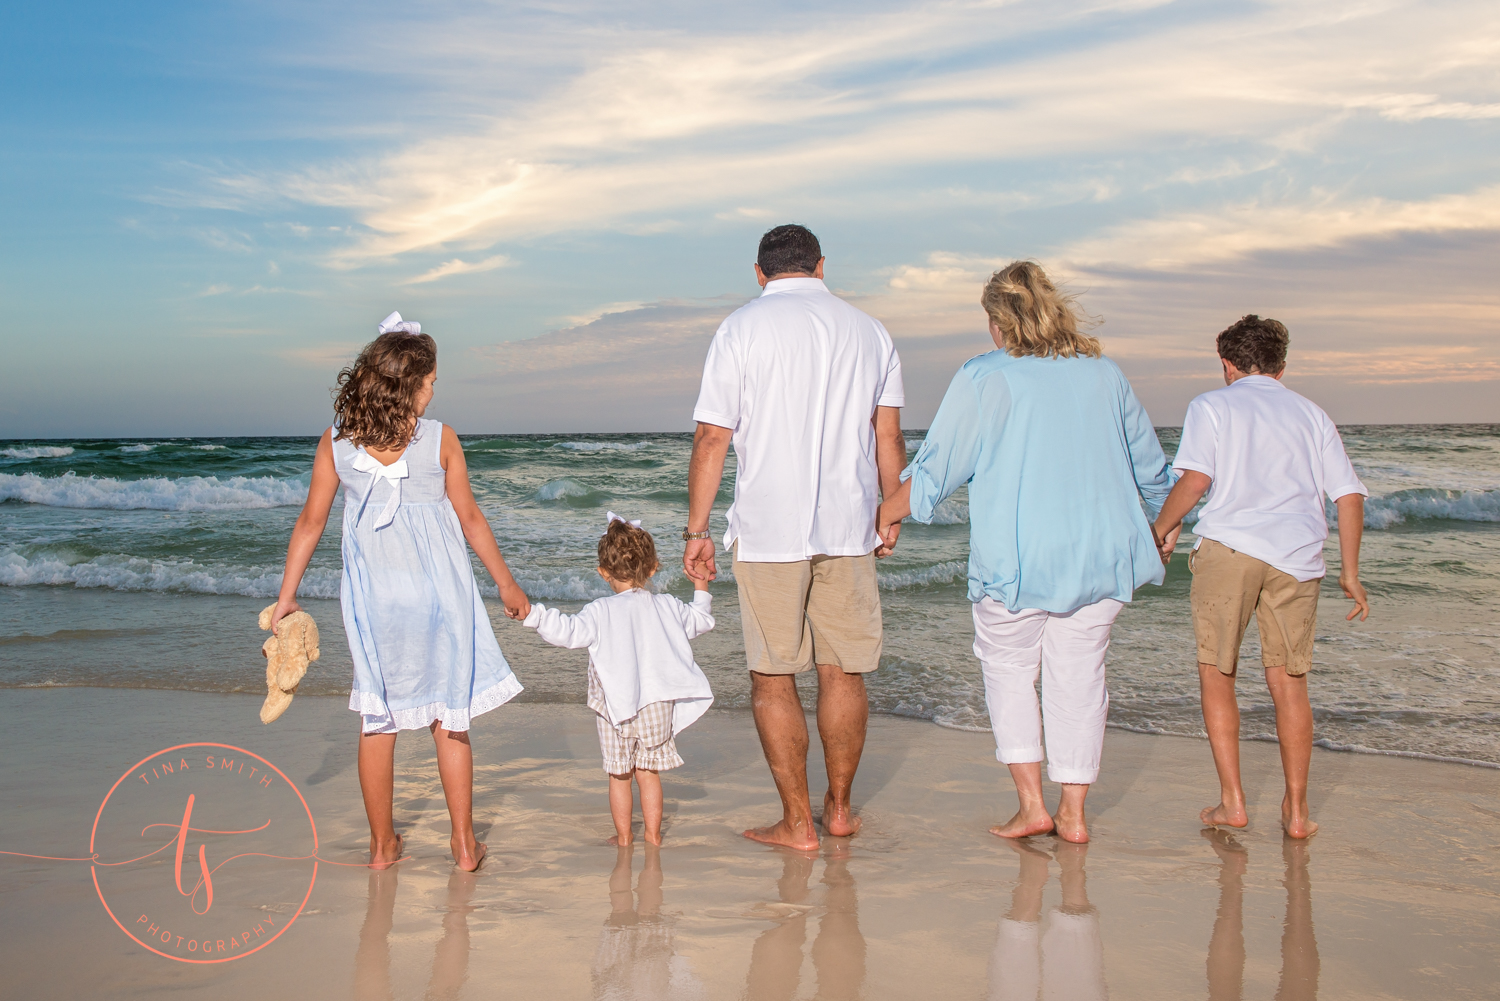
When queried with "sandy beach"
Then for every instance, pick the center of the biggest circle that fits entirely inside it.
(1395, 897)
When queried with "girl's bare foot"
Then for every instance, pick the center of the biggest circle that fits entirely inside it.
(1224, 815)
(1296, 822)
(467, 858)
(1071, 827)
(1025, 824)
(839, 821)
(385, 853)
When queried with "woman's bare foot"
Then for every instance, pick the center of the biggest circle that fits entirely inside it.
(839, 821)
(468, 859)
(1224, 815)
(385, 853)
(1025, 824)
(1296, 822)
(1071, 826)
(802, 837)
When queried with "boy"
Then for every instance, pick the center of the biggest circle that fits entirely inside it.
(1266, 457)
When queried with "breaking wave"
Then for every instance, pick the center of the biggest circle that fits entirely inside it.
(38, 452)
(156, 493)
(1430, 505)
(603, 446)
(117, 572)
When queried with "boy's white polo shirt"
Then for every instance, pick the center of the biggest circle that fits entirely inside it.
(797, 375)
(1273, 456)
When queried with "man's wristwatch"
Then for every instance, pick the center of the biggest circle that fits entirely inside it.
(694, 536)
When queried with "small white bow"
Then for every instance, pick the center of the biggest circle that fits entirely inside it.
(394, 322)
(614, 518)
(395, 473)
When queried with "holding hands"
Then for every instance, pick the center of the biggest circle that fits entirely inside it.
(698, 560)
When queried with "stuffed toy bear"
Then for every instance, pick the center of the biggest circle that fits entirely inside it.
(288, 651)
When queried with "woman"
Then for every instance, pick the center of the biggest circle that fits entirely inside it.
(1055, 448)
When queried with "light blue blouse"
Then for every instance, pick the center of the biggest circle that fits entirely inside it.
(1056, 453)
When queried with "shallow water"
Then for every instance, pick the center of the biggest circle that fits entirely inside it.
(141, 563)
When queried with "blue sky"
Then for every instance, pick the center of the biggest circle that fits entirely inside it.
(208, 207)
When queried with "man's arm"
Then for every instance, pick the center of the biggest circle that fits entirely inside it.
(705, 472)
(1187, 492)
(890, 459)
(1351, 508)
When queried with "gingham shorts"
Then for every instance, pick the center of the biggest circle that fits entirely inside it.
(644, 741)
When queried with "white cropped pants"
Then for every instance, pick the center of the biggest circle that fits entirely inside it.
(1068, 651)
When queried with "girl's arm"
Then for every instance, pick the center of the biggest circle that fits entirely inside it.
(309, 528)
(698, 617)
(572, 632)
(476, 528)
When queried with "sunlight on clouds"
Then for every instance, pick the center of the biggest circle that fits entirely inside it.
(459, 267)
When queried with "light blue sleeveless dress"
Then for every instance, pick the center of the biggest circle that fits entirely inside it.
(422, 644)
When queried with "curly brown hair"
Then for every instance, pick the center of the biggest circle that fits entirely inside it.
(1034, 316)
(1255, 345)
(374, 404)
(628, 554)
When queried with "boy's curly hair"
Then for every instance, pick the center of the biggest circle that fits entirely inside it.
(1254, 345)
(628, 554)
(373, 405)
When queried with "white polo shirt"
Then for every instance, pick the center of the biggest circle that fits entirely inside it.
(1273, 456)
(797, 375)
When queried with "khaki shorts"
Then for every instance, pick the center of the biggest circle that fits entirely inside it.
(1228, 586)
(825, 610)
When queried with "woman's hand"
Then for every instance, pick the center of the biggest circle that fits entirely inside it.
(889, 532)
(517, 605)
(284, 607)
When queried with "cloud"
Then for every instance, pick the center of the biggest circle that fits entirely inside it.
(458, 267)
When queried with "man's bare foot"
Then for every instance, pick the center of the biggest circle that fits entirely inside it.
(1072, 828)
(1222, 815)
(618, 842)
(468, 859)
(384, 854)
(652, 838)
(1296, 822)
(802, 838)
(1024, 825)
(839, 821)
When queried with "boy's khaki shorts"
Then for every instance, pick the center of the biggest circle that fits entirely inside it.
(1228, 586)
(825, 610)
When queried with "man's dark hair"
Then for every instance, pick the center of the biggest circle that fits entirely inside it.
(1254, 345)
(787, 250)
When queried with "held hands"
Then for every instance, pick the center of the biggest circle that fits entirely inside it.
(698, 560)
(1166, 544)
(517, 605)
(1354, 589)
(889, 532)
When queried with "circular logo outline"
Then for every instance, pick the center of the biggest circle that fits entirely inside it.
(94, 868)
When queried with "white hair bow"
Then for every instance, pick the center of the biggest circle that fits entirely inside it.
(614, 518)
(394, 322)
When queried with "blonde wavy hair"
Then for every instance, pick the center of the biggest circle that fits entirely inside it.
(1033, 316)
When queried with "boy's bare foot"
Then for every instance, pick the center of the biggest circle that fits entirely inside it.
(652, 838)
(1296, 822)
(1072, 828)
(1221, 815)
(615, 839)
(801, 838)
(468, 859)
(1024, 825)
(839, 821)
(384, 854)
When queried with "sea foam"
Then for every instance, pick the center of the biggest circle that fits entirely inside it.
(1430, 505)
(118, 572)
(38, 452)
(603, 446)
(156, 493)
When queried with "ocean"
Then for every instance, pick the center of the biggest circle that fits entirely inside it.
(142, 564)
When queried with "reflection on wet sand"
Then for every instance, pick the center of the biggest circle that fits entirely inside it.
(838, 951)
(1299, 945)
(636, 957)
(450, 960)
(1066, 960)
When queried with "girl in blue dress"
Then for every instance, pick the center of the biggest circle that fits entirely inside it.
(424, 652)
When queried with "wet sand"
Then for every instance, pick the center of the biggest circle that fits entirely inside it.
(1395, 898)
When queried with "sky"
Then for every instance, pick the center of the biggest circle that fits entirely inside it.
(207, 208)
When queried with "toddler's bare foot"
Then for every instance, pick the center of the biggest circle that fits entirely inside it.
(1296, 822)
(468, 858)
(384, 854)
(801, 837)
(1024, 824)
(1071, 827)
(839, 820)
(1224, 815)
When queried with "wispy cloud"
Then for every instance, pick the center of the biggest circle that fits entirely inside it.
(459, 267)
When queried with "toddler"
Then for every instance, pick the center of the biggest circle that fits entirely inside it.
(644, 687)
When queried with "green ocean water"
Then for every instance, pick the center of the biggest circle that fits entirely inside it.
(141, 564)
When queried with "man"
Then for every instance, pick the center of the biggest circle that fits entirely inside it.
(1266, 457)
(808, 389)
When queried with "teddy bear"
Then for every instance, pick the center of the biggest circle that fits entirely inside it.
(288, 652)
